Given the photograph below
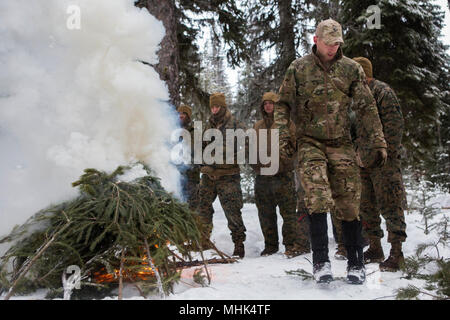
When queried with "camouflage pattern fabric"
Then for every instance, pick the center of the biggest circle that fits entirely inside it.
(285, 164)
(337, 228)
(330, 31)
(383, 190)
(319, 99)
(278, 190)
(228, 189)
(226, 121)
(222, 180)
(273, 191)
(330, 177)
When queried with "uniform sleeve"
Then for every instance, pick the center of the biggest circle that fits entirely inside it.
(246, 147)
(391, 117)
(366, 110)
(286, 103)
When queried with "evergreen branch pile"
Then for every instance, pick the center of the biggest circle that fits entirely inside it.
(109, 223)
(438, 282)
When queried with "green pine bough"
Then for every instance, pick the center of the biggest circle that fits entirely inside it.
(108, 231)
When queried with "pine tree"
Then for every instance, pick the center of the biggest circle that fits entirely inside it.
(406, 52)
(213, 77)
(280, 27)
(179, 57)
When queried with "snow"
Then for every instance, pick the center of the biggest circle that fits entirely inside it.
(266, 278)
(65, 98)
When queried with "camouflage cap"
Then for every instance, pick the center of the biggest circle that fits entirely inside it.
(186, 109)
(329, 31)
(366, 65)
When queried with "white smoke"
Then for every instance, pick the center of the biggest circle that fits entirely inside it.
(73, 95)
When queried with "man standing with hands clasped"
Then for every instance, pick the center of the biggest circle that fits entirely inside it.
(319, 88)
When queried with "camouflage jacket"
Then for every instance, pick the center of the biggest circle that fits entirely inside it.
(285, 165)
(217, 170)
(318, 99)
(391, 117)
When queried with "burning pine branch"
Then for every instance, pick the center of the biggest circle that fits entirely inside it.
(136, 227)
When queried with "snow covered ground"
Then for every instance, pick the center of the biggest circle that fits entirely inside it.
(265, 278)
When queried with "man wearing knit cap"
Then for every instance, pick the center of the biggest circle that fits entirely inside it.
(382, 188)
(277, 190)
(190, 174)
(318, 88)
(222, 180)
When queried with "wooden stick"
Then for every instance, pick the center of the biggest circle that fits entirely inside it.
(158, 276)
(204, 263)
(139, 288)
(28, 267)
(122, 258)
(195, 263)
(176, 255)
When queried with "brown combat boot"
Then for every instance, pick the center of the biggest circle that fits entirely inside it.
(395, 260)
(269, 250)
(239, 250)
(341, 253)
(295, 250)
(375, 251)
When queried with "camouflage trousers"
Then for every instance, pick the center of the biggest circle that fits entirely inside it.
(304, 223)
(273, 191)
(330, 177)
(189, 189)
(383, 193)
(228, 189)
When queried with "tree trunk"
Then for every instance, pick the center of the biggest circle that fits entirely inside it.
(169, 58)
(287, 35)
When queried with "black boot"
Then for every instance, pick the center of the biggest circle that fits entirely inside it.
(319, 245)
(354, 245)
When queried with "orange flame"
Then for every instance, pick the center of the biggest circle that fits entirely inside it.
(145, 272)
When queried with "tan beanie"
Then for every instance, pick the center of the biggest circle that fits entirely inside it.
(186, 109)
(217, 99)
(366, 65)
(271, 96)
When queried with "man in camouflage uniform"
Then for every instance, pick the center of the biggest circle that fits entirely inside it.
(318, 89)
(190, 174)
(277, 190)
(222, 180)
(382, 188)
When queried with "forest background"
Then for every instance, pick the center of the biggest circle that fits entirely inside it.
(243, 48)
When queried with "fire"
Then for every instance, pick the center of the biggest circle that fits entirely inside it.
(145, 272)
